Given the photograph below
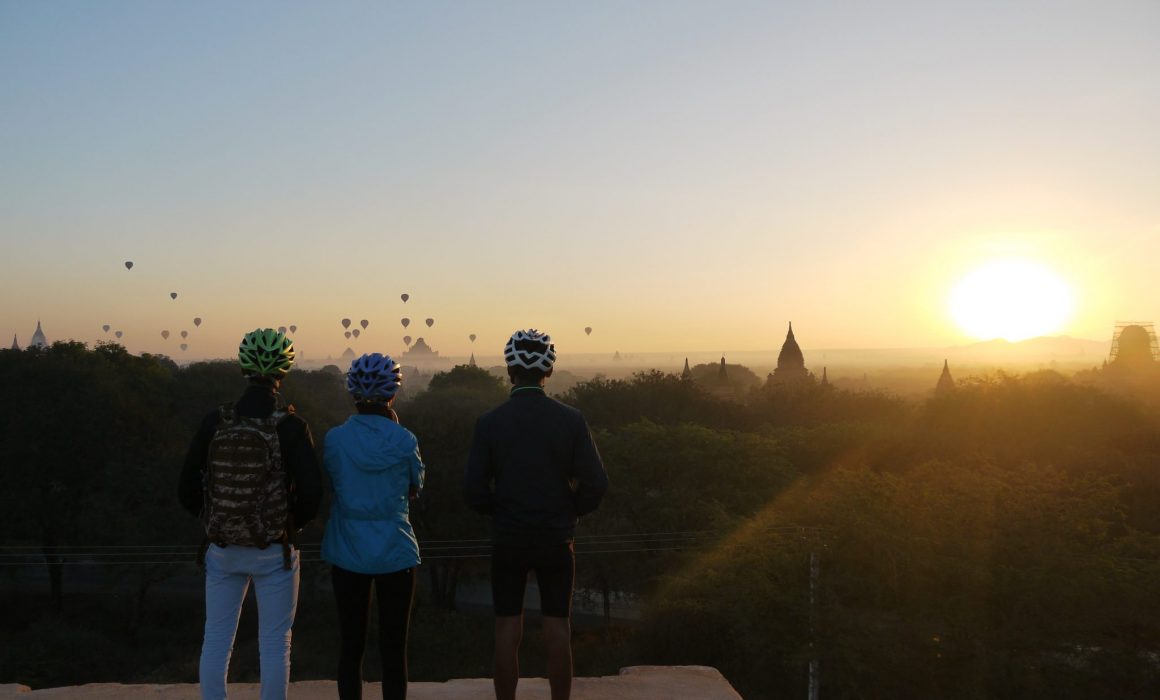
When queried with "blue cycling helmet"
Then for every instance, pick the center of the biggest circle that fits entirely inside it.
(374, 377)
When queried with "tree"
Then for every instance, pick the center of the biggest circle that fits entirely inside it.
(443, 418)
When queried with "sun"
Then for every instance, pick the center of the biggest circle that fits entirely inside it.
(1013, 299)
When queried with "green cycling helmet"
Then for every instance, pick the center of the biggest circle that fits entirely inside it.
(266, 352)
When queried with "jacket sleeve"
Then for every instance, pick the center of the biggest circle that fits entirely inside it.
(305, 473)
(418, 469)
(588, 470)
(477, 490)
(189, 485)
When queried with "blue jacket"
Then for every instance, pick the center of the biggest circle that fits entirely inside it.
(373, 462)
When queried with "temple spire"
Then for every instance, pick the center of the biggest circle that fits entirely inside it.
(15, 345)
(791, 364)
(38, 339)
(687, 373)
(945, 381)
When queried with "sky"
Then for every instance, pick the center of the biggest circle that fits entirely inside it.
(674, 175)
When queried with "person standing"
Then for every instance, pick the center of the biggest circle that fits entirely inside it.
(252, 477)
(376, 470)
(534, 468)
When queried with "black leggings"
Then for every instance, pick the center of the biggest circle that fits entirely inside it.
(352, 592)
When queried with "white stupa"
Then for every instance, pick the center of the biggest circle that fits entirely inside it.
(38, 339)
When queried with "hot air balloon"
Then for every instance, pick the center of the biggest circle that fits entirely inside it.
(430, 322)
(471, 337)
(173, 295)
(197, 321)
(282, 330)
(105, 328)
(588, 330)
(293, 329)
(405, 297)
(165, 334)
(406, 322)
(347, 334)
(407, 340)
(346, 323)
(184, 346)
(355, 332)
(118, 334)
(364, 323)
(128, 264)
(185, 334)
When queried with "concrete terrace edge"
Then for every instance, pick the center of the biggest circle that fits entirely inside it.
(632, 683)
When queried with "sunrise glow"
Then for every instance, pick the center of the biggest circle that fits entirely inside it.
(1012, 299)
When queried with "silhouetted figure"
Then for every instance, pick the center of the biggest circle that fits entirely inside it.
(252, 477)
(376, 471)
(534, 469)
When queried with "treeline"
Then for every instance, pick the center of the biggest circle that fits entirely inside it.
(998, 540)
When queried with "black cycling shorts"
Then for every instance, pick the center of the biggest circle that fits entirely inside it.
(555, 567)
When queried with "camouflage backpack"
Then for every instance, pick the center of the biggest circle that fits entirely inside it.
(246, 498)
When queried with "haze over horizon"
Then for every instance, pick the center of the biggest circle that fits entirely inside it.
(672, 175)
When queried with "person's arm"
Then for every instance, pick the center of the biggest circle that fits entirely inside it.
(189, 485)
(418, 473)
(477, 479)
(588, 470)
(304, 471)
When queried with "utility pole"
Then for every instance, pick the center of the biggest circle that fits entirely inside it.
(815, 573)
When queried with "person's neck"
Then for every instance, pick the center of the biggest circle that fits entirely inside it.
(266, 387)
(521, 388)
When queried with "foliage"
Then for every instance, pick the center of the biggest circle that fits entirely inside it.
(656, 396)
(443, 419)
(738, 379)
(1002, 539)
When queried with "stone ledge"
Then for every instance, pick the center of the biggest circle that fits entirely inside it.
(633, 683)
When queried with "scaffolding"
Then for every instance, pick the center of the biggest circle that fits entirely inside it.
(1146, 330)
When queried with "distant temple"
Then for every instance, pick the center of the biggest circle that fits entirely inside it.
(420, 354)
(420, 350)
(471, 362)
(945, 381)
(1134, 346)
(721, 375)
(16, 345)
(791, 364)
(687, 373)
(38, 339)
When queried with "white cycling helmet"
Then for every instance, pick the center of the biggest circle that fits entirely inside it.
(530, 349)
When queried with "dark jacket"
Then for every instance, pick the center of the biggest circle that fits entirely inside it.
(298, 457)
(534, 468)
